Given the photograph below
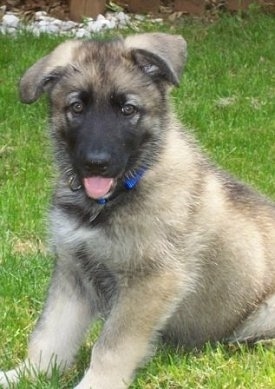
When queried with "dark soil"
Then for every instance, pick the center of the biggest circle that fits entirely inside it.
(58, 9)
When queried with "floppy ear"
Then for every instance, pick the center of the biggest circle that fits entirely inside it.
(42, 75)
(159, 55)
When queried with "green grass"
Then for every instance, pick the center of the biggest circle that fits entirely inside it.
(227, 97)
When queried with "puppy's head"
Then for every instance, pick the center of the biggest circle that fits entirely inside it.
(108, 104)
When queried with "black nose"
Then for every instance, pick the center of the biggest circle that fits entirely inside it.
(97, 162)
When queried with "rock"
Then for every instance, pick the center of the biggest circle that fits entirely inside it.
(112, 19)
(9, 30)
(47, 27)
(112, 23)
(52, 29)
(68, 26)
(100, 17)
(99, 24)
(90, 25)
(82, 33)
(3, 9)
(43, 23)
(139, 17)
(40, 15)
(122, 18)
(10, 20)
(157, 20)
(33, 29)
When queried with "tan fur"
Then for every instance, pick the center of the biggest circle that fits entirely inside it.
(188, 256)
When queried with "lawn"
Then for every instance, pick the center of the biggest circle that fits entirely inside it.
(227, 99)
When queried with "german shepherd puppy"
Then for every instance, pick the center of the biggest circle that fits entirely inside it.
(148, 234)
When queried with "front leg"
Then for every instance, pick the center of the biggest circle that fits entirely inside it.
(141, 311)
(60, 329)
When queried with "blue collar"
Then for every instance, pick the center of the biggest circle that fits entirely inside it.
(129, 183)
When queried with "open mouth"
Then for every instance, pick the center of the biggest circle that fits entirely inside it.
(98, 187)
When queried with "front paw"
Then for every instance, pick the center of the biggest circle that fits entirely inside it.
(3, 380)
(9, 378)
(102, 381)
(84, 384)
(88, 382)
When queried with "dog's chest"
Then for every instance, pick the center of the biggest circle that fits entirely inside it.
(112, 245)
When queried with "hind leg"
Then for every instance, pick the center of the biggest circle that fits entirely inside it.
(259, 325)
(59, 331)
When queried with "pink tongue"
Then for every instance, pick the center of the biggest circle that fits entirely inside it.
(97, 187)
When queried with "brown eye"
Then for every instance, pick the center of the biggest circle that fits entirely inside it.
(128, 109)
(77, 107)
